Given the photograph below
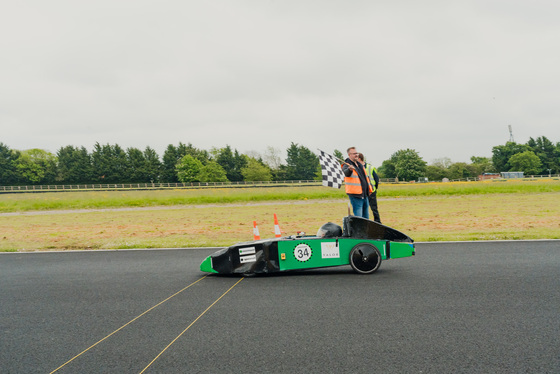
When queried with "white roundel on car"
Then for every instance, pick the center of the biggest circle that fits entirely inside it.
(302, 252)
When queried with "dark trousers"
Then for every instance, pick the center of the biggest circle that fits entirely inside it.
(373, 205)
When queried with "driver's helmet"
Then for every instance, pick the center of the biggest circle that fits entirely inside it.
(329, 230)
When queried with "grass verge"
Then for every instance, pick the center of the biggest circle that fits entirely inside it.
(21, 202)
(424, 218)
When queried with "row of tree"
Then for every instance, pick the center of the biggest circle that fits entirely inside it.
(186, 163)
(538, 156)
(183, 163)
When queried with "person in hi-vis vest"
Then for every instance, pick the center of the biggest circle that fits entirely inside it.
(358, 185)
(371, 172)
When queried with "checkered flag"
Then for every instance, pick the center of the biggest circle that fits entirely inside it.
(331, 170)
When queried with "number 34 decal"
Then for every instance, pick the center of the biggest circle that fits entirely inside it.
(302, 252)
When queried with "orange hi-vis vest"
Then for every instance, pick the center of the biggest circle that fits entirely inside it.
(353, 185)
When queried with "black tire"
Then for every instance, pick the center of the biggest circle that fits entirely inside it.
(365, 258)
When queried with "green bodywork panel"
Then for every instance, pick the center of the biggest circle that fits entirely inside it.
(206, 265)
(315, 253)
(399, 250)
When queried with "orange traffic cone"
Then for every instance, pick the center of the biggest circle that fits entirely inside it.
(256, 235)
(276, 227)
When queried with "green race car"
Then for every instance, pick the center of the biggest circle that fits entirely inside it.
(360, 243)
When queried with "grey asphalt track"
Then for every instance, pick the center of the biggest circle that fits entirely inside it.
(482, 307)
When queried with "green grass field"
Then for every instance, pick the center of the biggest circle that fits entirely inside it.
(221, 217)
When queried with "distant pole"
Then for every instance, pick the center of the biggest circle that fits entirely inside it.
(510, 134)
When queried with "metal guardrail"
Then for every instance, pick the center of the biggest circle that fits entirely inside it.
(525, 178)
(147, 186)
(198, 185)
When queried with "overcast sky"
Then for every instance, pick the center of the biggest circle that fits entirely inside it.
(444, 78)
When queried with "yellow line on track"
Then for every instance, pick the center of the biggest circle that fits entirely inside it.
(189, 326)
(123, 326)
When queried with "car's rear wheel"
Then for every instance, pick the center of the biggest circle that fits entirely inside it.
(365, 258)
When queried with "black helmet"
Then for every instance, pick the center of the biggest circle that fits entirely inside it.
(329, 230)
